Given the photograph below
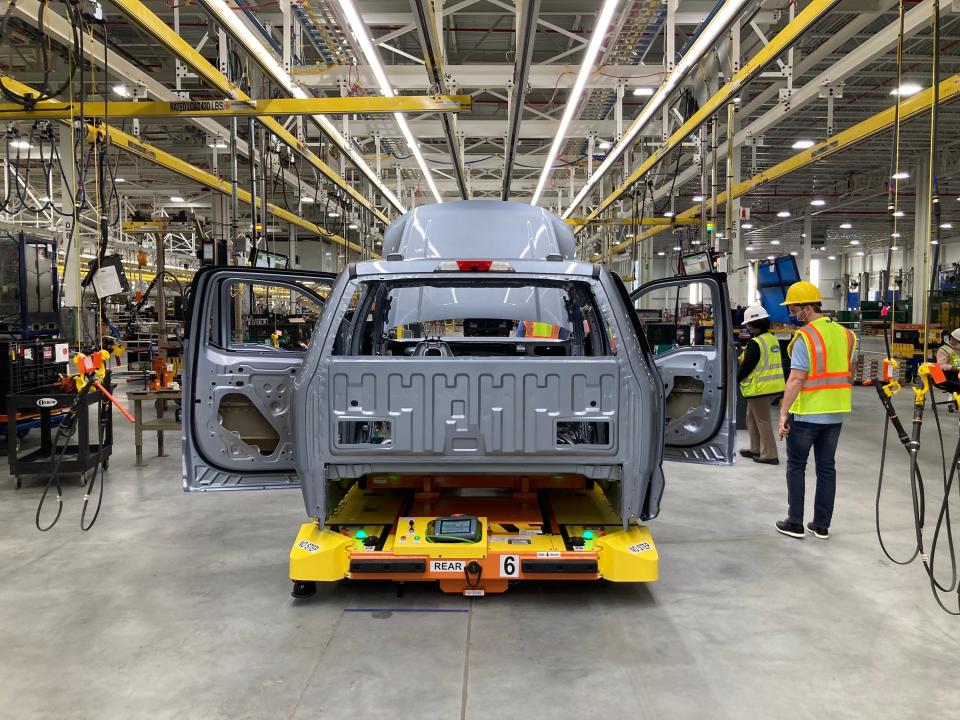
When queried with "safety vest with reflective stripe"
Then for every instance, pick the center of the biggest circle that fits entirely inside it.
(952, 355)
(827, 387)
(767, 377)
(540, 330)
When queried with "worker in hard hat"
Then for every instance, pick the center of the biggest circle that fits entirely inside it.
(948, 354)
(761, 379)
(816, 398)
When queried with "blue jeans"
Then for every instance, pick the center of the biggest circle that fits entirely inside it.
(823, 439)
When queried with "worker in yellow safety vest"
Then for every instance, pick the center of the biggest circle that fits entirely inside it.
(761, 379)
(818, 394)
(948, 354)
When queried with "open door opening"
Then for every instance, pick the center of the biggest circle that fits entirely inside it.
(687, 323)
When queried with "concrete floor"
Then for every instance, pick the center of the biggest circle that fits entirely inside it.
(178, 606)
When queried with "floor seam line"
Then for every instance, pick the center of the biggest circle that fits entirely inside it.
(316, 665)
(466, 665)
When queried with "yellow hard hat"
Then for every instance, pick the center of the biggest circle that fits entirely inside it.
(802, 293)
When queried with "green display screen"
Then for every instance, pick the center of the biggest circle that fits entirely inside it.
(454, 527)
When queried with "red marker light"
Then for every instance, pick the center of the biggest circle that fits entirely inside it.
(474, 265)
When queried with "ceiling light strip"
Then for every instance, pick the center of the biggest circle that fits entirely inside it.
(372, 56)
(576, 92)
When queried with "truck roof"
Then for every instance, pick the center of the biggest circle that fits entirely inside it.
(479, 228)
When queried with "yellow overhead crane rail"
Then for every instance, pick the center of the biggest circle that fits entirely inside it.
(124, 110)
(170, 162)
(766, 55)
(647, 221)
(883, 120)
(143, 17)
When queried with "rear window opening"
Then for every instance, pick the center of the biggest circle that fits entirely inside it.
(475, 317)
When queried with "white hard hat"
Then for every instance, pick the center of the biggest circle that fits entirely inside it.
(753, 313)
(956, 334)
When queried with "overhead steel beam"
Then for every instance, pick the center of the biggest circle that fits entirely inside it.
(811, 14)
(527, 13)
(431, 43)
(161, 158)
(915, 106)
(143, 17)
(231, 108)
(540, 77)
(529, 130)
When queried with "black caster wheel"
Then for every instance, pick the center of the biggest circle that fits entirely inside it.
(302, 589)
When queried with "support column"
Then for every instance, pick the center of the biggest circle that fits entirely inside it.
(807, 242)
(921, 240)
(292, 246)
(737, 273)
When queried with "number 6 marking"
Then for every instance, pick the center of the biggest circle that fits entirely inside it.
(509, 565)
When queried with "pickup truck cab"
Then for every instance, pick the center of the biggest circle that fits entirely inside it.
(476, 372)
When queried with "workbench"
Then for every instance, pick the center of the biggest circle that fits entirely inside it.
(160, 424)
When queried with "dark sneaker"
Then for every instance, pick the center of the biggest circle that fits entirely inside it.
(790, 528)
(770, 461)
(749, 454)
(821, 533)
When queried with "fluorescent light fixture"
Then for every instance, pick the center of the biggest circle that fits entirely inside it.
(774, 242)
(817, 202)
(860, 253)
(46, 199)
(121, 90)
(704, 43)
(749, 248)
(217, 144)
(898, 213)
(719, 236)
(803, 144)
(831, 257)
(793, 252)
(676, 247)
(661, 253)
(228, 18)
(629, 235)
(747, 226)
(895, 235)
(854, 242)
(644, 91)
(822, 248)
(119, 180)
(22, 144)
(736, 100)
(894, 248)
(668, 213)
(353, 226)
(333, 213)
(372, 56)
(700, 198)
(902, 175)
(770, 257)
(783, 214)
(176, 198)
(604, 145)
(306, 199)
(576, 92)
(906, 89)
(946, 226)
(846, 226)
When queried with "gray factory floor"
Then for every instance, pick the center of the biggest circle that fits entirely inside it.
(178, 606)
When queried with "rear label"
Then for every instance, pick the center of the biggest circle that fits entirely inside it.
(446, 566)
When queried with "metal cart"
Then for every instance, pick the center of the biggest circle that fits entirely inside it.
(85, 450)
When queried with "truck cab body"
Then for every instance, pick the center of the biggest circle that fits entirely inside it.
(477, 371)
